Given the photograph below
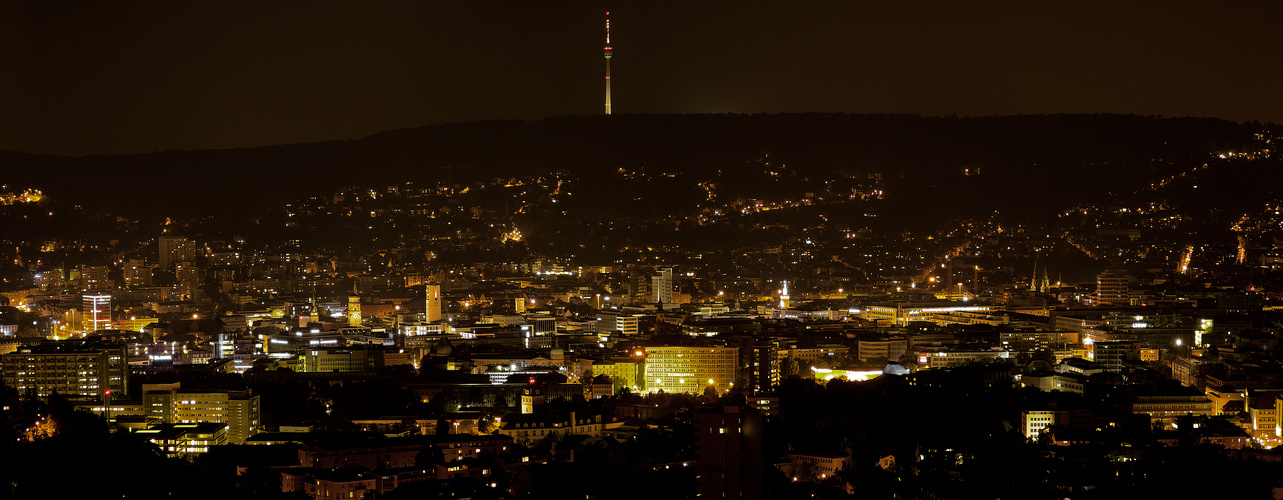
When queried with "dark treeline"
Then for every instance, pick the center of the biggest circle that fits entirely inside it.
(1029, 149)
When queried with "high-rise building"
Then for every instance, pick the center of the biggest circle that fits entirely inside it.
(763, 367)
(1114, 354)
(1111, 288)
(729, 447)
(640, 290)
(434, 303)
(690, 369)
(661, 285)
(136, 273)
(187, 275)
(607, 52)
(95, 311)
(238, 409)
(626, 324)
(76, 369)
(175, 249)
(95, 278)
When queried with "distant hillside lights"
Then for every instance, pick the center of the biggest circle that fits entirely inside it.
(28, 196)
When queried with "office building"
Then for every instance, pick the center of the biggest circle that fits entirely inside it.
(690, 369)
(763, 367)
(185, 441)
(239, 410)
(1112, 289)
(95, 311)
(76, 369)
(661, 285)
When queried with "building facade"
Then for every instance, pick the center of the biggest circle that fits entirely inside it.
(690, 369)
(76, 369)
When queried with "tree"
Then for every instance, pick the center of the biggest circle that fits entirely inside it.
(27, 331)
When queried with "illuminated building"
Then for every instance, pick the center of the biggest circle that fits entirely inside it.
(661, 286)
(763, 367)
(903, 313)
(626, 324)
(456, 447)
(1241, 302)
(1034, 421)
(1263, 413)
(188, 275)
(607, 52)
(729, 450)
(328, 360)
(630, 374)
(525, 428)
(891, 349)
(827, 374)
(958, 357)
(95, 278)
(285, 344)
(814, 354)
(532, 399)
(185, 441)
(354, 309)
(95, 311)
(1111, 289)
(237, 409)
(768, 405)
(1166, 408)
(1030, 339)
(76, 369)
(690, 369)
(175, 249)
(1113, 355)
(434, 303)
(816, 466)
(1052, 381)
(640, 290)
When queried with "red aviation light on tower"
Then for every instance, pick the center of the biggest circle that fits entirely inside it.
(607, 47)
(606, 51)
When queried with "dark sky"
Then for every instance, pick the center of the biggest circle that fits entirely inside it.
(83, 77)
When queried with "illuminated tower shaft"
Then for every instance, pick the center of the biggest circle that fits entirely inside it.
(606, 51)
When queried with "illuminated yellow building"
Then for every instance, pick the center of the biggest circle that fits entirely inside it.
(434, 303)
(185, 441)
(237, 409)
(690, 369)
(630, 374)
(903, 313)
(827, 374)
(354, 309)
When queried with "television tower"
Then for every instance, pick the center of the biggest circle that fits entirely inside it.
(606, 52)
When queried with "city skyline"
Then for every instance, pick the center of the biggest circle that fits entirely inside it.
(835, 250)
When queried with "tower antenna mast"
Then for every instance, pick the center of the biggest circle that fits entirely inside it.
(606, 51)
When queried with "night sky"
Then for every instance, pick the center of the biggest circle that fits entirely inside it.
(118, 77)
